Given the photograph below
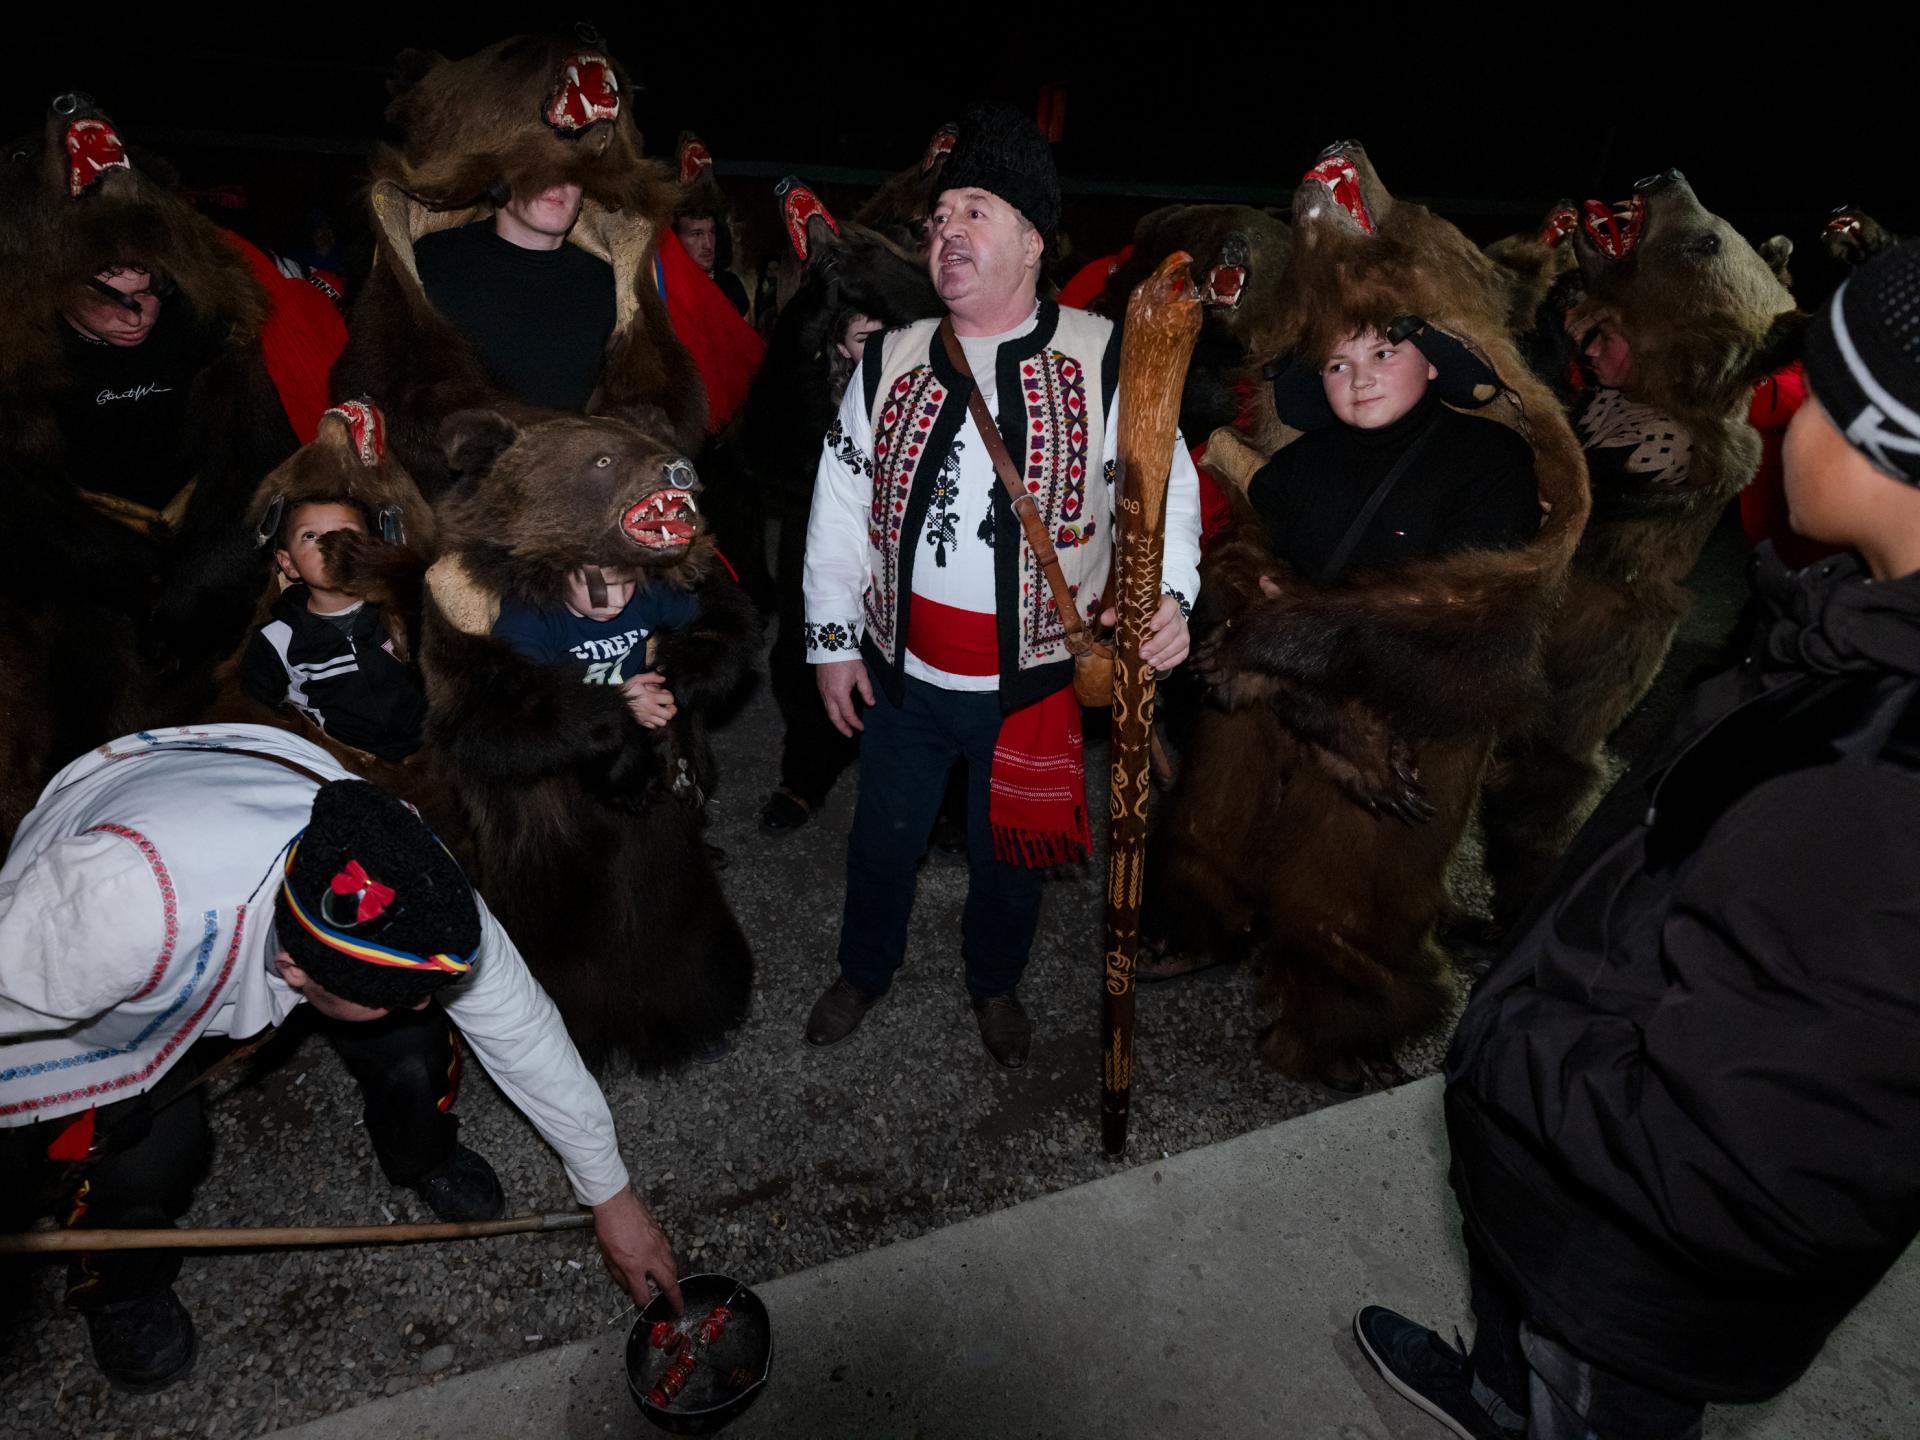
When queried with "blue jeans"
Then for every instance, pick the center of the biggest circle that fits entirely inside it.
(905, 754)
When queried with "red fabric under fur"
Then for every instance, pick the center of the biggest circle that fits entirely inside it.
(726, 350)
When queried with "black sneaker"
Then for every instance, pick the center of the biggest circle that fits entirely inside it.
(465, 1188)
(145, 1344)
(1427, 1370)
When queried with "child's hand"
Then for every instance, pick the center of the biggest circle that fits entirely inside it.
(649, 699)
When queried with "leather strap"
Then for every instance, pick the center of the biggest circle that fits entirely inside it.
(1336, 565)
(1079, 641)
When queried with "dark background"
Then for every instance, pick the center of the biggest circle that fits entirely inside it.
(1489, 118)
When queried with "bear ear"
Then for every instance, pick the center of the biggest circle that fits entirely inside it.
(408, 69)
(473, 439)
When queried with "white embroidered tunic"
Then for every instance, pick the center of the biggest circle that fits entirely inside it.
(136, 915)
(907, 503)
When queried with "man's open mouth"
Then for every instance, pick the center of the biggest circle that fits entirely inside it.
(1614, 229)
(587, 93)
(798, 205)
(664, 520)
(93, 148)
(1340, 177)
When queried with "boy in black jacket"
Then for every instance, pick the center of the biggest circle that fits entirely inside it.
(1682, 1106)
(327, 653)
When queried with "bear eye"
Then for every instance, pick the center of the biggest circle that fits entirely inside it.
(603, 462)
(1704, 244)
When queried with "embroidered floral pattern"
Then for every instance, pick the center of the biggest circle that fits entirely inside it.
(899, 440)
(1056, 476)
(986, 531)
(943, 520)
(845, 451)
(1186, 605)
(832, 635)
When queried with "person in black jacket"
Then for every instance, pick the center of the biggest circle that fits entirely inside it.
(327, 653)
(1682, 1105)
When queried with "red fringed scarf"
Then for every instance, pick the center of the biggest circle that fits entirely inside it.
(1038, 806)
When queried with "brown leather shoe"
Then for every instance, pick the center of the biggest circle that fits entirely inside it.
(838, 1013)
(1003, 1028)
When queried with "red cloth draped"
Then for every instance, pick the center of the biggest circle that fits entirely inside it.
(302, 337)
(1038, 787)
(726, 350)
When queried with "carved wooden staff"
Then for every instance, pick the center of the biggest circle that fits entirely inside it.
(41, 1242)
(1163, 321)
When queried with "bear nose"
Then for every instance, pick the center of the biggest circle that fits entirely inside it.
(1660, 181)
(72, 102)
(1336, 148)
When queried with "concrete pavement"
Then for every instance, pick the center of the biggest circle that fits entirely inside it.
(1204, 1295)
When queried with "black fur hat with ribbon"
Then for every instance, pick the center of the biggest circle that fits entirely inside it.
(1001, 151)
(372, 906)
(1465, 381)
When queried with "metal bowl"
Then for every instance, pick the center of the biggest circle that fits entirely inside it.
(712, 1399)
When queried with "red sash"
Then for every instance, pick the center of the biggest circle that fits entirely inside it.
(1038, 789)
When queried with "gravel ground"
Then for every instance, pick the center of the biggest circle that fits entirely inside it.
(772, 1161)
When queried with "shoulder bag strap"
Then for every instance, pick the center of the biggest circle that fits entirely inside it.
(1079, 642)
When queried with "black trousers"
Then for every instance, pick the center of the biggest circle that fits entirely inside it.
(812, 752)
(151, 1150)
(1563, 1395)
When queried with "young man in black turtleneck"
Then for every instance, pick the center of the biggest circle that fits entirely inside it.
(1468, 485)
(538, 309)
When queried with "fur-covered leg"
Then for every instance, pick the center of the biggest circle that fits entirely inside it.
(1535, 800)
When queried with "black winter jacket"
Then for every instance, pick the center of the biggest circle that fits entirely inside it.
(341, 677)
(1684, 1106)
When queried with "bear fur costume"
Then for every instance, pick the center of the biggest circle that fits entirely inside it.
(1532, 260)
(525, 113)
(1239, 256)
(586, 836)
(73, 202)
(900, 208)
(349, 463)
(1706, 317)
(1327, 787)
(1852, 237)
(848, 268)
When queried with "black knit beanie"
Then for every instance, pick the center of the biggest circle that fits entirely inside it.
(372, 906)
(1863, 360)
(1002, 152)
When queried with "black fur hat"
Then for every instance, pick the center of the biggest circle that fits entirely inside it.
(1466, 381)
(1002, 152)
(1863, 360)
(372, 906)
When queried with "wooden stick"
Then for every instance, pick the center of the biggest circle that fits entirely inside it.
(33, 1242)
(1163, 321)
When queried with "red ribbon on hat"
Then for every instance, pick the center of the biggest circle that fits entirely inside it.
(374, 897)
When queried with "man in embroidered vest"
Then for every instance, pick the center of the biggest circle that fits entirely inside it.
(924, 600)
(261, 874)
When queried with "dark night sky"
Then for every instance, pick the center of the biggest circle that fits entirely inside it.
(1773, 130)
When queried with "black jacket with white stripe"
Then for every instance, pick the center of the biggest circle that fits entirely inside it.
(339, 672)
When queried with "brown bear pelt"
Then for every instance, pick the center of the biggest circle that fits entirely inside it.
(900, 207)
(584, 832)
(467, 127)
(1327, 786)
(1239, 255)
(150, 607)
(386, 567)
(1705, 316)
(1532, 260)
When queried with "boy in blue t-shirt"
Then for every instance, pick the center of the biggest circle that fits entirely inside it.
(603, 643)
